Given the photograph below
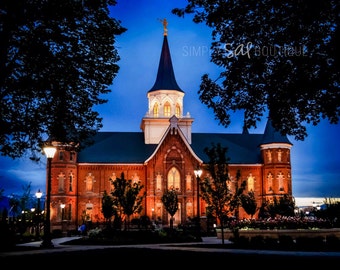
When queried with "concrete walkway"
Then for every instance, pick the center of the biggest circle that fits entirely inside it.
(60, 247)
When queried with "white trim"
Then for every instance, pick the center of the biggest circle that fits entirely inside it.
(275, 145)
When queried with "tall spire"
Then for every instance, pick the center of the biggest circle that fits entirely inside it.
(165, 76)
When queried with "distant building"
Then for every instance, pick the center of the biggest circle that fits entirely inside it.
(164, 155)
(307, 204)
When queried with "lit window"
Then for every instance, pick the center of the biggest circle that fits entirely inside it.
(178, 111)
(174, 179)
(167, 109)
(155, 110)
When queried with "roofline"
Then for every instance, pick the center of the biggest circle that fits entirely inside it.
(121, 164)
(276, 145)
(245, 165)
(183, 138)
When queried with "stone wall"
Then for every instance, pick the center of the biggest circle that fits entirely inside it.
(228, 234)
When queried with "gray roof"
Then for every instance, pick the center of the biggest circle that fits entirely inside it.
(241, 148)
(129, 147)
(117, 147)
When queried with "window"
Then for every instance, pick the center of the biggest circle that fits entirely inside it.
(250, 183)
(70, 187)
(61, 155)
(280, 178)
(89, 182)
(188, 182)
(167, 109)
(158, 182)
(174, 179)
(279, 155)
(178, 111)
(270, 182)
(269, 156)
(61, 182)
(155, 110)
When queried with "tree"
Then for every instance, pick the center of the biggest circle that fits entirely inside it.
(127, 198)
(57, 59)
(236, 201)
(214, 189)
(282, 206)
(108, 209)
(170, 201)
(276, 57)
(331, 211)
(249, 204)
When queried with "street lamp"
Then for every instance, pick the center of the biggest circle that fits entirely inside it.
(47, 241)
(62, 206)
(198, 174)
(38, 194)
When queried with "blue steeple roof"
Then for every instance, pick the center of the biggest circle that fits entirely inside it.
(271, 135)
(165, 77)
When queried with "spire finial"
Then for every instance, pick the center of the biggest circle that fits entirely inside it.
(165, 24)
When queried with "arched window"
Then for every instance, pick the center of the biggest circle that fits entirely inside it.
(167, 109)
(89, 182)
(178, 111)
(158, 182)
(61, 182)
(156, 110)
(270, 182)
(251, 182)
(188, 182)
(280, 178)
(70, 187)
(174, 179)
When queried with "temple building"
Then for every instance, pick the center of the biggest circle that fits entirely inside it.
(164, 154)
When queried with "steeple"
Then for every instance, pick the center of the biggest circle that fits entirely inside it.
(165, 77)
(165, 100)
(272, 135)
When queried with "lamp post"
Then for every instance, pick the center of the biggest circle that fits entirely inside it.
(198, 173)
(62, 206)
(38, 194)
(47, 241)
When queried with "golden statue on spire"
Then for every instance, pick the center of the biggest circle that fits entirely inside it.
(165, 24)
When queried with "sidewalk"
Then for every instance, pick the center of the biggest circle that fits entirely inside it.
(59, 247)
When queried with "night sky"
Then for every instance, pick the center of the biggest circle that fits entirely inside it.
(315, 161)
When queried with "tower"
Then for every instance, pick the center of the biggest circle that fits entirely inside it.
(275, 152)
(165, 99)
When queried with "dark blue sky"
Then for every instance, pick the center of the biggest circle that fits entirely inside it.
(315, 161)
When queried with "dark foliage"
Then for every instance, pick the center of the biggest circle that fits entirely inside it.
(276, 57)
(57, 59)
